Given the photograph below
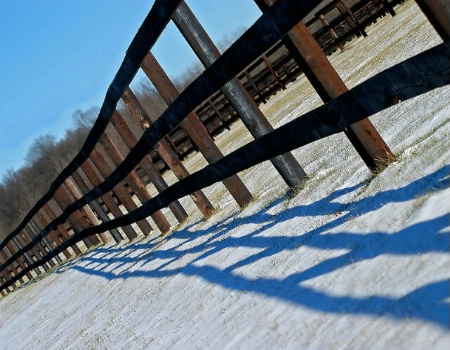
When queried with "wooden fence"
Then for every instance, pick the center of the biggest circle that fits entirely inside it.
(83, 207)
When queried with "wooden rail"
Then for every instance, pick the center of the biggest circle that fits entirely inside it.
(84, 206)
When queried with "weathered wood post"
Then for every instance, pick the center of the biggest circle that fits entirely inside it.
(46, 241)
(95, 179)
(132, 180)
(77, 187)
(331, 31)
(76, 219)
(350, 17)
(26, 256)
(272, 71)
(329, 85)
(251, 115)
(193, 127)
(165, 152)
(34, 253)
(20, 242)
(13, 268)
(8, 272)
(438, 13)
(119, 190)
(38, 250)
(60, 229)
(146, 164)
(56, 235)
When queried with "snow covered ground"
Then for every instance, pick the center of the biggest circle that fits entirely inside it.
(353, 261)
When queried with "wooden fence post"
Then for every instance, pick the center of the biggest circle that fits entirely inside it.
(90, 215)
(328, 84)
(52, 240)
(146, 164)
(133, 180)
(251, 115)
(95, 205)
(193, 127)
(60, 229)
(76, 219)
(88, 168)
(350, 18)
(38, 249)
(46, 243)
(331, 31)
(33, 252)
(438, 13)
(165, 152)
(26, 256)
(120, 191)
(57, 238)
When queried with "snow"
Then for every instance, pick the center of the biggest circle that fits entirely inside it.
(353, 261)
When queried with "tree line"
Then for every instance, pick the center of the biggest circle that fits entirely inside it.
(20, 189)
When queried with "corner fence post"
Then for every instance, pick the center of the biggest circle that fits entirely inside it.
(95, 179)
(329, 85)
(438, 13)
(165, 151)
(193, 127)
(146, 164)
(240, 99)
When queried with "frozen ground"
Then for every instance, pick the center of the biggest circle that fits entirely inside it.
(353, 261)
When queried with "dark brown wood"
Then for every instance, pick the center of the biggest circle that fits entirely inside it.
(57, 237)
(328, 84)
(438, 13)
(89, 170)
(147, 165)
(331, 31)
(350, 17)
(60, 229)
(165, 152)
(194, 127)
(415, 76)
(274, 74)
(27, 255)
(89, 213)
(251, 115)
(120, 190)
(77, 219)
(153, 25)
(133, 181)
(95, 205)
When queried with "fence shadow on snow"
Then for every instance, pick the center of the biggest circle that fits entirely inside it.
(425, 303)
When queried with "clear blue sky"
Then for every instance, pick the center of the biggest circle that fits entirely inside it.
(57, 56)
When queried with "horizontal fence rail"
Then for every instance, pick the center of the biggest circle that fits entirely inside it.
(103, 177)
